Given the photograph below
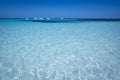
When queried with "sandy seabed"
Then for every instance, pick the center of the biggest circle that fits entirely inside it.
(59, 51)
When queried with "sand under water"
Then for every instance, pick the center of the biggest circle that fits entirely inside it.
(84, 50)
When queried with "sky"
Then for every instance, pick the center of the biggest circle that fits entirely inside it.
(60, 8)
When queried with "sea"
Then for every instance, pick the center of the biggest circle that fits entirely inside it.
(59, 49)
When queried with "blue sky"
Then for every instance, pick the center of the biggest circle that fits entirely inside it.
(60, 8)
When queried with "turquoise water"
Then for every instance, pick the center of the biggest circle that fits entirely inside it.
(82, 50)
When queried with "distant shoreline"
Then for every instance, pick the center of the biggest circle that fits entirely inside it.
(58, 20)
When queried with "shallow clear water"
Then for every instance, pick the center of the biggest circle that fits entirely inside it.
(84, 50)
